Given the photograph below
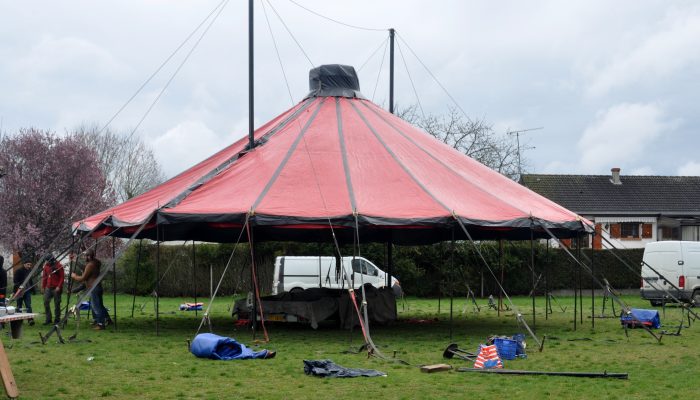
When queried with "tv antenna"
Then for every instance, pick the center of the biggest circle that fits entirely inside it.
(517, 138)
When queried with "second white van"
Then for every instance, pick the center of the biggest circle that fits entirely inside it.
(679, 263)
(295, 273)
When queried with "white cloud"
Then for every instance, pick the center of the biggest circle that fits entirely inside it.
(184, 145)
(645, 170)
(659, 56)
(689, 168)
(621, 135)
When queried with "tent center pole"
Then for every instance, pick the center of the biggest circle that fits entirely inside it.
(251, 102)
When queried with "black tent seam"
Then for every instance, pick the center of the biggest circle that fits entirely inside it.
(287, 156)
(439, 161)
(343, 152)
(214, 172)
(393, 155)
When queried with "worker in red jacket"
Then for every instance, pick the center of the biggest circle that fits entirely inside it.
(52, 285)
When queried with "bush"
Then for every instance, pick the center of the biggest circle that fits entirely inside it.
(422, 270)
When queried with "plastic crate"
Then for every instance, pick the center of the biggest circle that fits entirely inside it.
(507, 348)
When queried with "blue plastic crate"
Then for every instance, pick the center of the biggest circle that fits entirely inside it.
(507, 348)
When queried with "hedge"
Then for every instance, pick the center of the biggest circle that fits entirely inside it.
(422, 270)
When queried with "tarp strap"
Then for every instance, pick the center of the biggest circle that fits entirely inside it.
(604, 285)
(518, 314)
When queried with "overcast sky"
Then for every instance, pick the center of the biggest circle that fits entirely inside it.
(613, 84)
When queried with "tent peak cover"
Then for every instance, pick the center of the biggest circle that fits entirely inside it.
(334, 80)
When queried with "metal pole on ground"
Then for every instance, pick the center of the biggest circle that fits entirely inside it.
(253, 310)
(136, 279)
(575, 294)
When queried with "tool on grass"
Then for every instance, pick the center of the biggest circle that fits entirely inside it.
(453, 350)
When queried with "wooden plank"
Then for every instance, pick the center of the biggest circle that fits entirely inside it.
(435, 368)
(8, 379)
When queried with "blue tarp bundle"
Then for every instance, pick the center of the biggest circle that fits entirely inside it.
(649, 318)
(209, 345)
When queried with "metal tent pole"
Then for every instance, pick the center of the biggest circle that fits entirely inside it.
(532, 264)
(580, 281)
(251, 103)
(390, 259)
(391, 70)
(136, 279)
(452, 270)
(157, 281)
(194, 277)
(253, 311)
(547, 303)
(575, 294)
(114, 281)
(592, 287)
(500, 261)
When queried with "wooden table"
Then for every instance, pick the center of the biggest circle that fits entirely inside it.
(8, 379)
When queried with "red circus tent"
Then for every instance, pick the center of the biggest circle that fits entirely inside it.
(337, 159)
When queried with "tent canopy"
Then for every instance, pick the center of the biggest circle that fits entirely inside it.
(337, 160)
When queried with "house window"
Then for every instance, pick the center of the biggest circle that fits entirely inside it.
(629, 230)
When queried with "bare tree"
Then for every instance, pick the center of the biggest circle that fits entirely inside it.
(128, 162)
(475, 138)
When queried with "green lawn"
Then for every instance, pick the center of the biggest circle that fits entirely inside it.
(135, 363)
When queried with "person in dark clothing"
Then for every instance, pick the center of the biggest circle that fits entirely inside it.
(3, 281)
(89, 276)
(52, 283)
(24, 297)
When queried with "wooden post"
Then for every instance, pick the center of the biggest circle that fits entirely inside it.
(8, 379)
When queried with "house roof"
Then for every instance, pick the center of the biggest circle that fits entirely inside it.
(596, 194)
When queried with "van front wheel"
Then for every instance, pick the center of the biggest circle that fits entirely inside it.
(696, 298)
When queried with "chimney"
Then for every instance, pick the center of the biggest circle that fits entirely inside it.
(615, 176)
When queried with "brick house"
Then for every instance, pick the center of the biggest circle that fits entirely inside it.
(631, 210)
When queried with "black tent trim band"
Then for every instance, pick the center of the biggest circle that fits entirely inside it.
(219, 227)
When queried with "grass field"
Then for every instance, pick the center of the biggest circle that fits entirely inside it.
(133, 362)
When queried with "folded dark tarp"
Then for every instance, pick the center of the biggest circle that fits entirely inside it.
(329, 369)
(208, 345)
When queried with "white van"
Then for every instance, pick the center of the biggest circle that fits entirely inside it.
(679, 263)
(295, 273)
